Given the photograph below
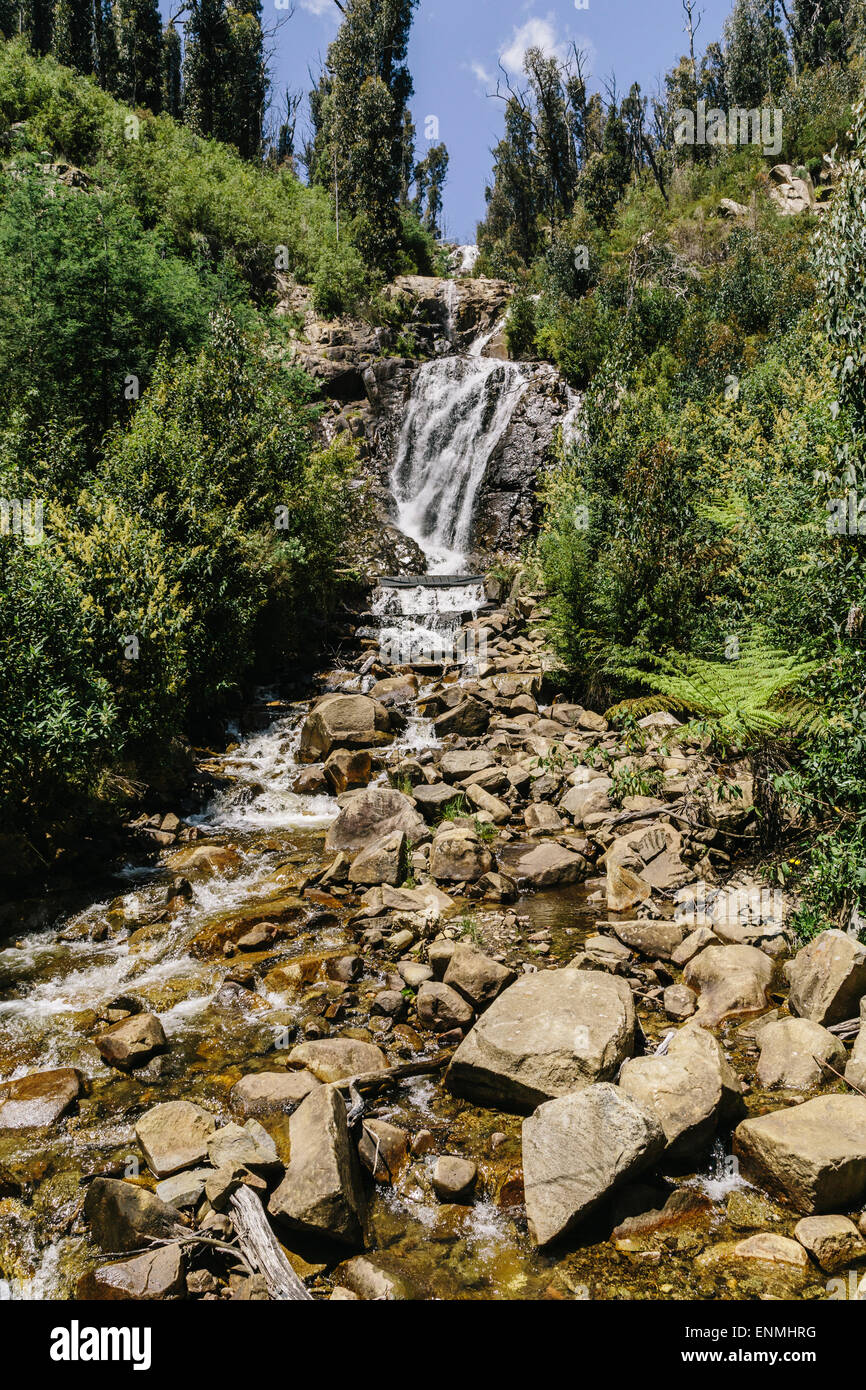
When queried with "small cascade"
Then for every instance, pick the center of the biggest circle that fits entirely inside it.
(457, 413)
(420, 621)
(476, 348)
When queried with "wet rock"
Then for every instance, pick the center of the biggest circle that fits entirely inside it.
(123, 1216)
(766, 1248)
(792, 1051)
(474, 975)
(183, 1189)
(174, 1136)
(346, 768)
(370, 1278)
(541, 818)
(833, 1241)
(132, 1042)
(322, 1192)
(457, 855)
(748, 1211)
(454, 1179)
(371, 815)
(692, 1089)
(40, 1098)
(497, 888)
(271, 1092)
(388, 1003)
(432, 799)
(469, 718)
(149, 1278)
(383, 1150)
(729, 980)
(577, 1150)
(343, 721)
(247, 1146)
(550, 1032)
(310, 781)
(828, 978)
(441, 1008)
(679, 1002)
(813, 1154)
(549, 866)
(335, 1059)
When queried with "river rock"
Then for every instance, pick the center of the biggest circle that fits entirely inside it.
(655, 940)
(457, 855)
(150, 1278)
(442, 1008)
(550, 866)
(40, 1098)
(541, 818)
(679, 1002)
(813, 1154)
(729, 980)
(640, 861)
(463, 762)
(692, 1089)
(498, 811)
(242, 1146)
(123, 1216)
(792, 1050)
(371, 815)
(184, 1189)
(343, 721)
(828, 978)
(132, 1042)
(383, 861)
(577, 1150)
(833, 1241)
(550, 1032)
(383, 1149)
(474, 975)
(346, 768)
(469, 719)
(335, 1059)
(855, 1071)
(587, 799)
(372, 1279)
(454, 1179)
(322, 1192)
(431, 799)
(174, 1136)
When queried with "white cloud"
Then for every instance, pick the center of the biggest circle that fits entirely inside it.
(480, 72)
(320, 7)
(535, 33)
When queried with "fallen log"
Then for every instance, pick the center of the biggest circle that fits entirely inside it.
(261, 1249)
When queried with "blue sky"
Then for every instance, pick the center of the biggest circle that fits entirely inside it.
(454, 52)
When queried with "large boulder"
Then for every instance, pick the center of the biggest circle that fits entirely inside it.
(729, 980)
(457, 855)
(474, 975)
(38, 1099)
(833, 1241)
(371, 815)
(441, 1008)
(123, 1216)
(132, 1042)
(149, 1278)
(271, 1092)
(579, 1149)
(382, 861)
(549, 1033)
(828, 978)
(468, 718)
(692, 1089)
(642, 860)
(813, 1155)
(174, 1136)
(587, 799)
(343, 721)
(322, 1192)
(792, 1053)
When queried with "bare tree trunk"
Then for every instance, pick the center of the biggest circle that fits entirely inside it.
(261, 1249)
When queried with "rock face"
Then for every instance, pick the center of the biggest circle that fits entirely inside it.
(792, 1050)
(729, 980)
(507, 508)
(322, 1192)
(174, 1136)
(552, 1032)
(38, 1099)
(828, 978)
(813, 1154)
(691, 1089)
(371, 815)
(343, 721)
(577, 1150)
(123, 1216)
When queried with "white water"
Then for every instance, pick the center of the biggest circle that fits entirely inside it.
(458, 411)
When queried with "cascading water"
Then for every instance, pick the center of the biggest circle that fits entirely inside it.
(459, 409)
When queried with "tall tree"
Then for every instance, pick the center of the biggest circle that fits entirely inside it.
(430, 177)
(756, 52)
(359, 121)
(138, 29)
(172, 63)
(224, 73)
(75, 35)
(819, 31)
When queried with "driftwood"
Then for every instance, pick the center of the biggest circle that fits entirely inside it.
(378, 1080)
(829, 1067)
(261, 1250)
(849, 1029)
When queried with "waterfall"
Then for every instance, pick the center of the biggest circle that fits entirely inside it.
(458, 411)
